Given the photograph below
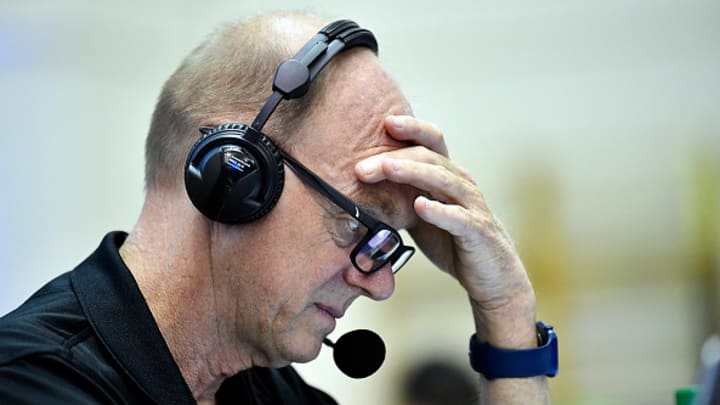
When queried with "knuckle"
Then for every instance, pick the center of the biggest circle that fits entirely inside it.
(445, 179)
(436, 131)
(486, 226)
(465, 174)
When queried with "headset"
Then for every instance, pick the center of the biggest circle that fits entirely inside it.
(234, 173)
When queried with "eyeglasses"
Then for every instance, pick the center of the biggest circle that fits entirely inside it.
(381, 244)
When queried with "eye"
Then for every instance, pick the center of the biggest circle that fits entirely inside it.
(348, 231)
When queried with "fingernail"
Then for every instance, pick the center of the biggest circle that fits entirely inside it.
(428, 203)
(398, 121)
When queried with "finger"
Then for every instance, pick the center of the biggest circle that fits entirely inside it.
(439, 182)
(424, 170)
(454, 219)
(370, 170)
(474, 231)
(409, 128)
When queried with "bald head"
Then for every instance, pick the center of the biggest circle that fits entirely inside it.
(226, 79)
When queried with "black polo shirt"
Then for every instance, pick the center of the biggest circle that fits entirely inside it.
(89, 337)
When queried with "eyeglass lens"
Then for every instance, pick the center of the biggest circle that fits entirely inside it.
(377, 250)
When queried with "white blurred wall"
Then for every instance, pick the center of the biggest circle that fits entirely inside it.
(612, 99)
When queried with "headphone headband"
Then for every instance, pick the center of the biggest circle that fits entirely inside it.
(293, 77)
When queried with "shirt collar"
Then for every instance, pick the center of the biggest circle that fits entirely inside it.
(114, 306)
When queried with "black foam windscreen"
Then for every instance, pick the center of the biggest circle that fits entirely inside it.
(359, 353)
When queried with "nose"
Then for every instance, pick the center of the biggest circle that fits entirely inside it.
(377, 286)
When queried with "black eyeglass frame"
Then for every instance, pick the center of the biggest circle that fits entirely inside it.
(373, 225)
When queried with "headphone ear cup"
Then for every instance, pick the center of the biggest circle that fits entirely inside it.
(234, 174)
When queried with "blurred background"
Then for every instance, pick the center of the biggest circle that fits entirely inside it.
(592, 128)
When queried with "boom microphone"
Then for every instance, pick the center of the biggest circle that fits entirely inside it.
(358, 353)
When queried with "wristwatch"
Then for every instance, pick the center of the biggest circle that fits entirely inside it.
(493, 362)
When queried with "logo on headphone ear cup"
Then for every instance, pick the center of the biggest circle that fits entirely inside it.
(234, 174)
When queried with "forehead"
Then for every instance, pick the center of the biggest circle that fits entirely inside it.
(357, 95)
(346, 125)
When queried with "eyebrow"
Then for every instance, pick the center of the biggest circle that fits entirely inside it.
(377, 204)
(383, 211)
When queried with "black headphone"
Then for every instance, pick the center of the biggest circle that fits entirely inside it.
(234, 173)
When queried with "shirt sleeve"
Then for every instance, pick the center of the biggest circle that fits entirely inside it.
(45, 379)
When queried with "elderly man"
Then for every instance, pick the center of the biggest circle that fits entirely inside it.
(238, 267)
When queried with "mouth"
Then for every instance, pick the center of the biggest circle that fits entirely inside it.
(335, 313)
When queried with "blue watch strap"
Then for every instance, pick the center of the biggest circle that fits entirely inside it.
(495, 363)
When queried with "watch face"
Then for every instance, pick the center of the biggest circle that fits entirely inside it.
(543, 331)
(554, 355)
(547, 340)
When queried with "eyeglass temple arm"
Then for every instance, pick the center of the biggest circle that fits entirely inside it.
(329, 191)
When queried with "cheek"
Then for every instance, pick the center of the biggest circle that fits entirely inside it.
(292, 259)
(287, 258)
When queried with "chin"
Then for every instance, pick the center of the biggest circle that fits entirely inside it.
(302, 349)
